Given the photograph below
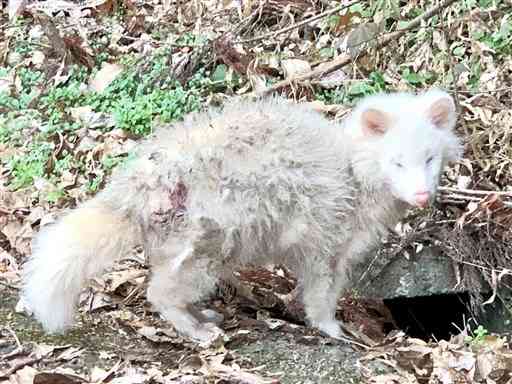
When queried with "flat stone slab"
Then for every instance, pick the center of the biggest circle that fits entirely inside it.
(426, 274)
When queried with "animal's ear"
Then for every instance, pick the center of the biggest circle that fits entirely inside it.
(442, 112)
(374, 122)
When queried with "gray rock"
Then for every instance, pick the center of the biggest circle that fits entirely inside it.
(428, 273)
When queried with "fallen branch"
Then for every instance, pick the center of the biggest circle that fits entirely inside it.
(479, 192)
(457, 199)
(299, 24)
(450, 195)
(345, 59)
(461, 198)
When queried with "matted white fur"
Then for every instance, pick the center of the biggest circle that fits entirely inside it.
(259, 181)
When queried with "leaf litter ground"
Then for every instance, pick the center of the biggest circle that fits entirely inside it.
(81, 82)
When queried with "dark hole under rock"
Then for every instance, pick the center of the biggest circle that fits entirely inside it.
(431, 317)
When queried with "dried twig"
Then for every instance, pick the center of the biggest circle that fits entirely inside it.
(351, 341)
(5, 211)
(17, 351)
(299, 24)
(474, 191)
(482, 267)
(346, 58)
(8, 285)
(456, 75)
(15, 336)
(450, 195)
(459, 199)
(483, 92)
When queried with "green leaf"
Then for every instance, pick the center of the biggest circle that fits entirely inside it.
(220, 73)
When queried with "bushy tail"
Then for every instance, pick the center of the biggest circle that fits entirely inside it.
(68, 253)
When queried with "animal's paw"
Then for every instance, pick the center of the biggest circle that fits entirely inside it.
(331, 328)
(207, 334)
(211, 316)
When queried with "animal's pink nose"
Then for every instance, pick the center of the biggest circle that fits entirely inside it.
(422, 198)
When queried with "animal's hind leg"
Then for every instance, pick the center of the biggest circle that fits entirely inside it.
(173, 295)
(188, 273)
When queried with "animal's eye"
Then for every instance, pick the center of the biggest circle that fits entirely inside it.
(399, 165)
(429, 160)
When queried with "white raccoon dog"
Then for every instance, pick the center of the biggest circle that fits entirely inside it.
(260, 181)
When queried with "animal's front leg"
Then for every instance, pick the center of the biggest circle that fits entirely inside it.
(320, 298)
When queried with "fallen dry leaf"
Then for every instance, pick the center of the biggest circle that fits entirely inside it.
(105, 76)
(331, 80)
(322, 107)
(25, 375)
(157, 335)
(19, 235)
(69, 354)
(294, 67)
(57, 378)
(72, 28)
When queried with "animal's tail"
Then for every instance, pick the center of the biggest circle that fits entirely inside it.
(68, 253)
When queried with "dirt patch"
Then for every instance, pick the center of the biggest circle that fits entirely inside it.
(288, 355)
(296, 362)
